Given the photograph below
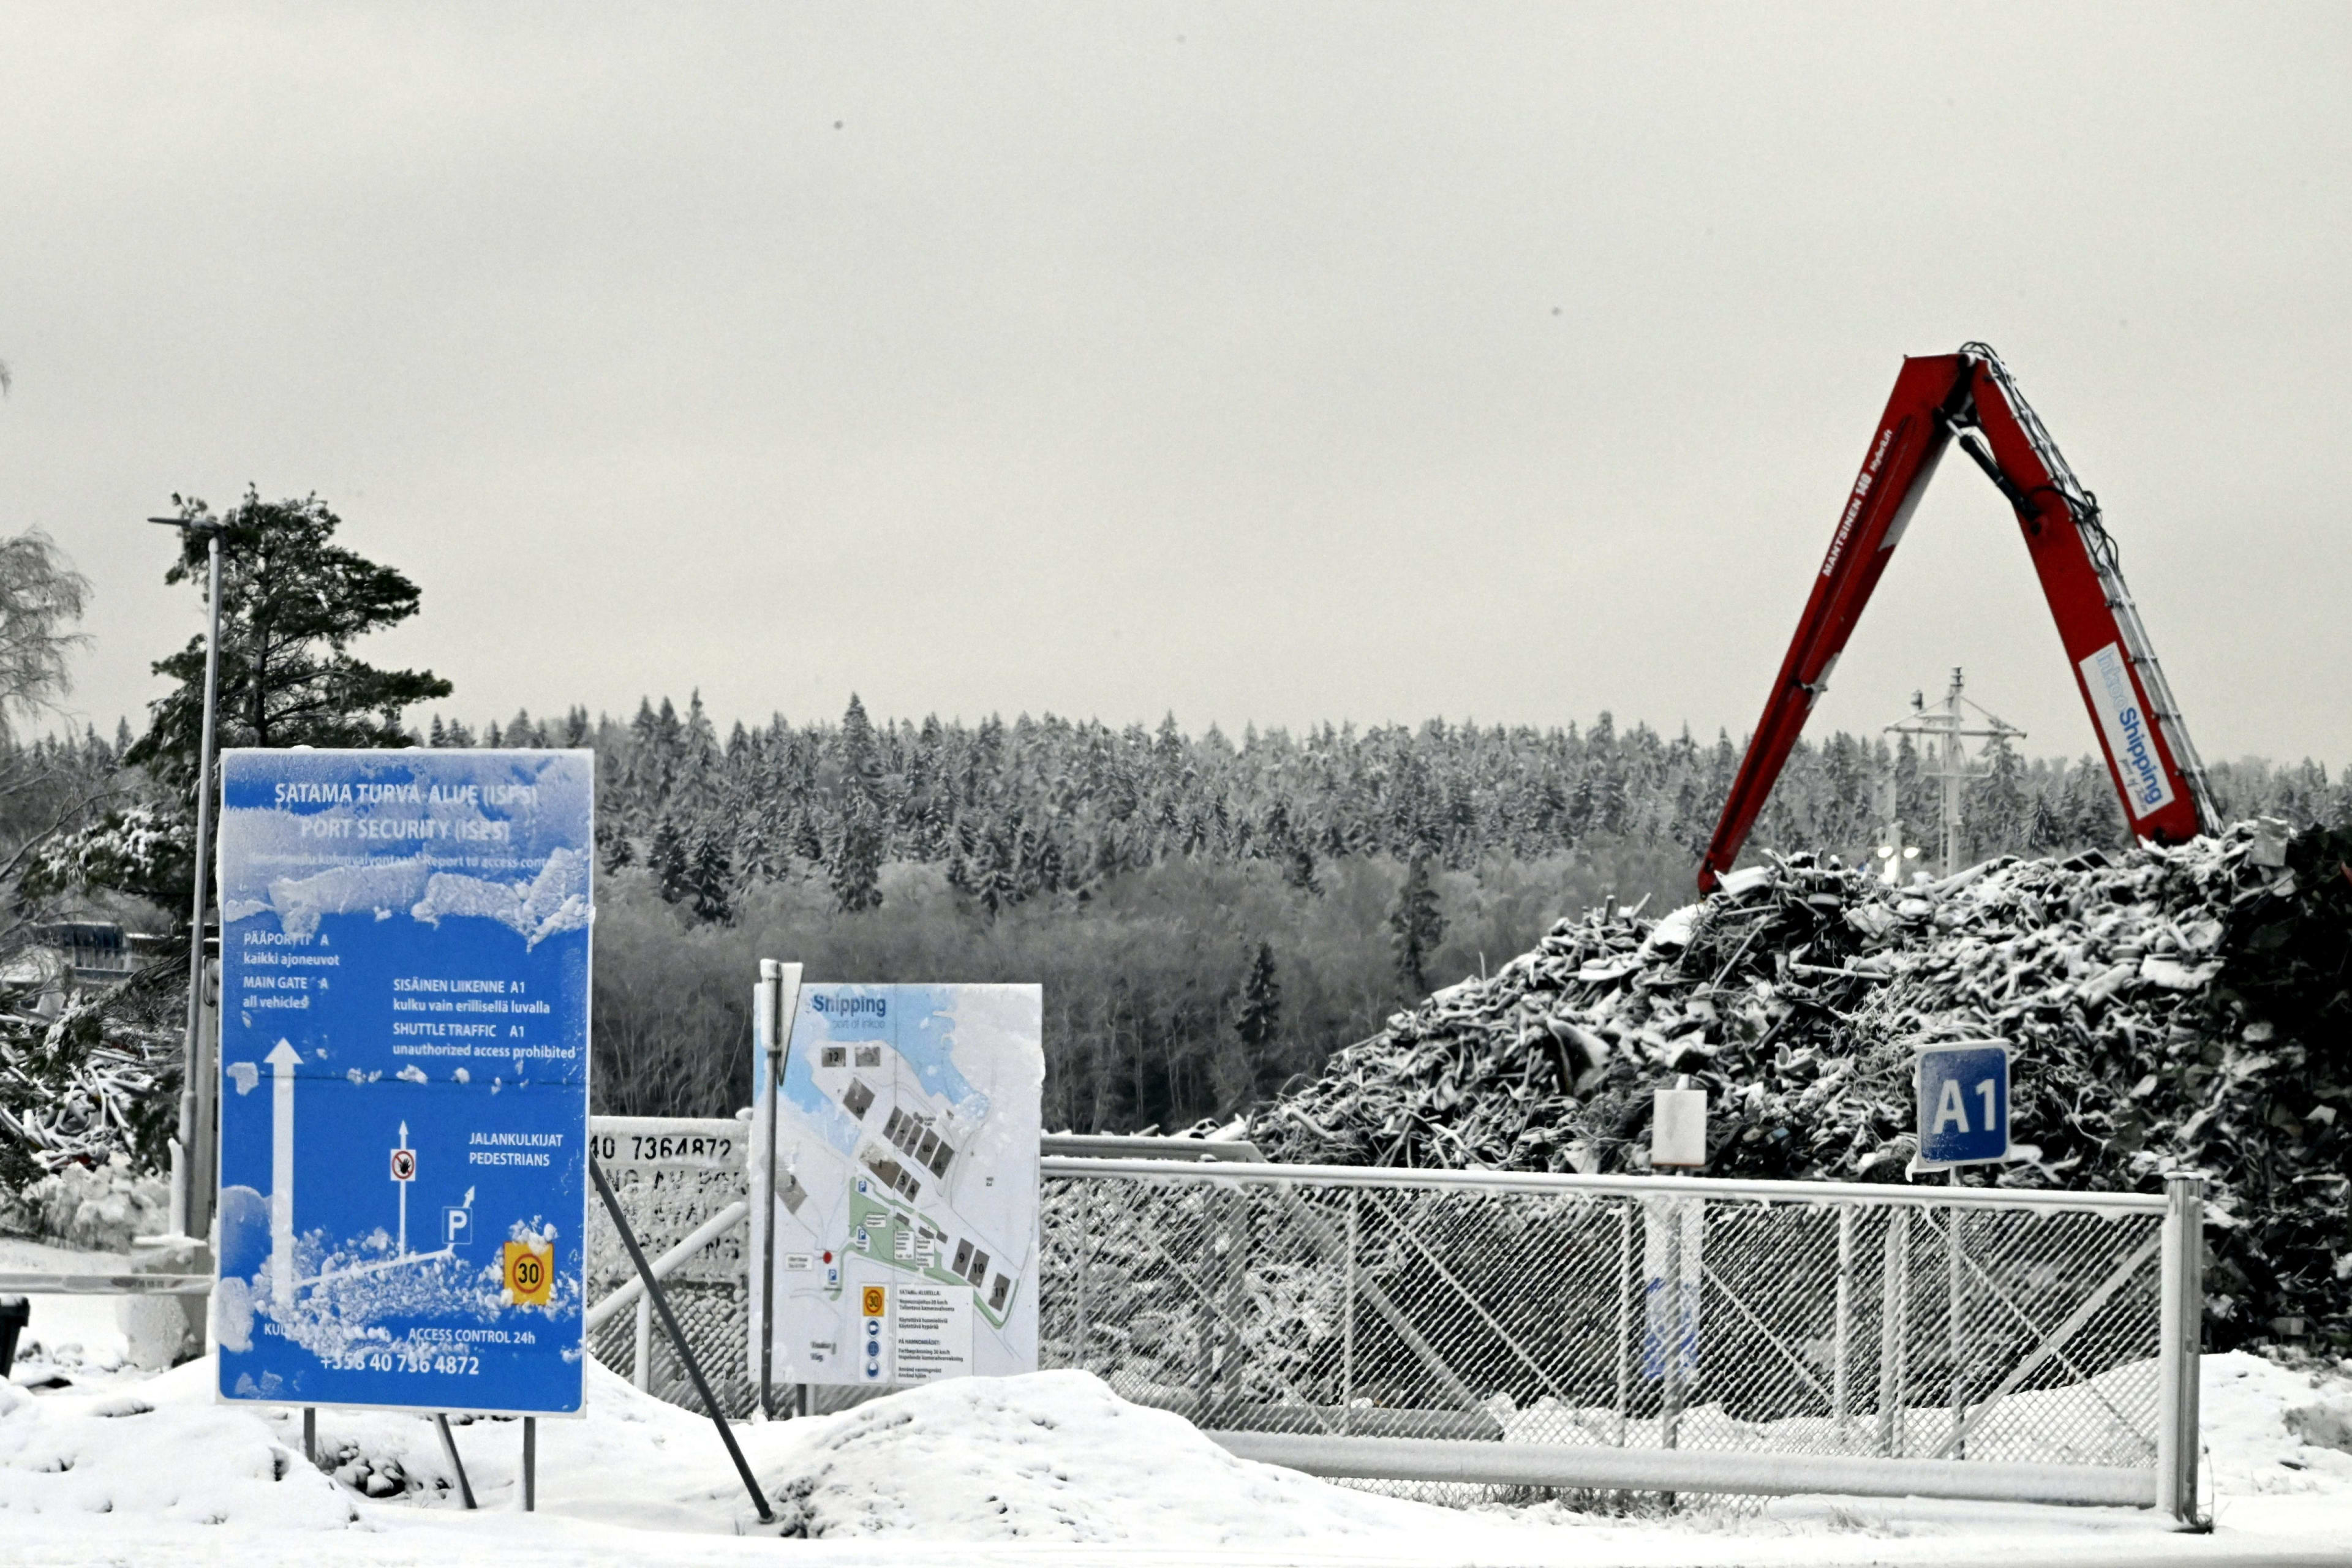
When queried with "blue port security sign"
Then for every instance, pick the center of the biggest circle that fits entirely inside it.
(1963, 1104)
(404, 943)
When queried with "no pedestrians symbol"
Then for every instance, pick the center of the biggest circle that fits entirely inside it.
(404, 1164)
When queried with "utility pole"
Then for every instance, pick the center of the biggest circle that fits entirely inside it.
(194, 1151)
(1944, 727)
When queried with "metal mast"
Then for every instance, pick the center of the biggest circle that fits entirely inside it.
(1944, 727)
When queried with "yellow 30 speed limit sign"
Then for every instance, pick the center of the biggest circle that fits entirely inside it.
(530, 1273)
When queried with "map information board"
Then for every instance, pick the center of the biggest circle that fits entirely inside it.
(906, 1212)
(404, 951)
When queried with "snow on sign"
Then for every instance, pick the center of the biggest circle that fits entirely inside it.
(404, 1078)
(906, 1212)
(1963, 1104)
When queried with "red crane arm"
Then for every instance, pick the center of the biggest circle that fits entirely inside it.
(1969, 395)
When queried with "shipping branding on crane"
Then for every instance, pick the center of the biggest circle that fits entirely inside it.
(1969, 398)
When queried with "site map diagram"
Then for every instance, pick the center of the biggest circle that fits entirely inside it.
(906, 1212)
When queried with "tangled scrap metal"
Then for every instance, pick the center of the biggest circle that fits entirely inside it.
(2187, 1007)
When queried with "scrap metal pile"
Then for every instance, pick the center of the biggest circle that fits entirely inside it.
(82, 1088)
(2171, 1009)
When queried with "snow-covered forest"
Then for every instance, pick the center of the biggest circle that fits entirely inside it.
(1211, 915)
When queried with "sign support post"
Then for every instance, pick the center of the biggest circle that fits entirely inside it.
(678, 1338)
(773, 1008)
(449, 1448)
(1963, 1121)
(1958, 1290)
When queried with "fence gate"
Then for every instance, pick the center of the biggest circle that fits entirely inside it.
(1663, 1333)
(683, 1185)
(1565, 1332)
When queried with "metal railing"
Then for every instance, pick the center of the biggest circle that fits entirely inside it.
(1666, 1333)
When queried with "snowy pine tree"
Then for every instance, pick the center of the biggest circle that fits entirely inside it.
(1417, 925)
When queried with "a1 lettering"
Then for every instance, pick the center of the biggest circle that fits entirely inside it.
(1950, 1109)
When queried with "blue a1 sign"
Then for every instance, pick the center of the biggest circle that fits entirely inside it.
(1963, 1104)
(404, 1078)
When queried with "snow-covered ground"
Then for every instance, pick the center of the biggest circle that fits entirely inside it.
(100, 1464)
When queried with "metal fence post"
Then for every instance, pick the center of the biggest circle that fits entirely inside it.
(1348, 1323)
(1669, 1411)
(1841, 1330)
(1204, 1315)
(644, 1376)
(1624, 1314)
(1894, 1328)
(1085, 1256)
(2180, 1335)
(1237, 1237)
(1956, 1297)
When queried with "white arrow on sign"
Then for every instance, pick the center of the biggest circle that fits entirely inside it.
(283, 1062)
(402, 1181)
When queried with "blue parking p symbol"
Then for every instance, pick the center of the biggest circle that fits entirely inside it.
(1963, 1104)
(456, 1228)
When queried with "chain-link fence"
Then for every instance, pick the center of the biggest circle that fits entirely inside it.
(1557, 1333)
(1638, 1333)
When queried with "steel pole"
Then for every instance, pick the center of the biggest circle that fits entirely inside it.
(778, 1000)
(1841, 1329)
(191, 1197)
(1894, 1324)
(1624, 1315)
(1348, 1323)
(2180, 1341)
(677, 1341)
(763, 1026)
(1085, 1262)
(1956, 1299)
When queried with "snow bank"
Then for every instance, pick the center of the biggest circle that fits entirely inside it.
(111, 1450)
(1056, 1457)
(1050, 1468)
(2272, 1431)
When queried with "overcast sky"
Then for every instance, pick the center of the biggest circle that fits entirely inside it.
(1266, 362)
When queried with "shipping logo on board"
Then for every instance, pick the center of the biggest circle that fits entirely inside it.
(2126, 725)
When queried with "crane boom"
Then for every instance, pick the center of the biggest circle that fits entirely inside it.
(1969, 398)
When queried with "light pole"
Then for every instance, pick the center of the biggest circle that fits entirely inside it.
(191, 1192)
